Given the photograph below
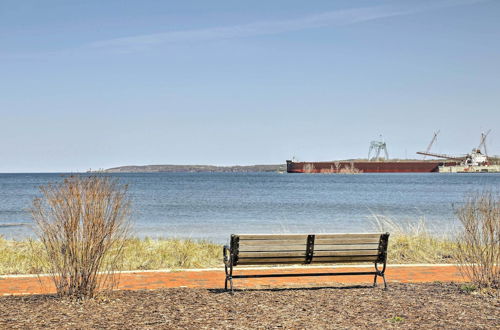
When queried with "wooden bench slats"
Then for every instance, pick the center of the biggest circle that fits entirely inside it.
(304, 236)
(364, 240)
(251, 248)
(345, 247)
(272, 254)
(344, 259)
(272, 237)
(252, 261)
(267, 263)
(262, 248)
(242, 261)
(273, 248)
(316, 242)
(346, 253)
(273, 242)
(363, 235)
(303, 253)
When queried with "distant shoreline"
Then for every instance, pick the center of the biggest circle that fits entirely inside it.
(193, 168)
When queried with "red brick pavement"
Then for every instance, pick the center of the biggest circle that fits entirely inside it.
(19, 285)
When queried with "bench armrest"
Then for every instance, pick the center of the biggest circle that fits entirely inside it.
(226, 251)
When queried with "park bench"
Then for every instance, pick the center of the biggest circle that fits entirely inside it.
(306, 249)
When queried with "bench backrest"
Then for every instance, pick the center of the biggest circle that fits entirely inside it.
(307, 249)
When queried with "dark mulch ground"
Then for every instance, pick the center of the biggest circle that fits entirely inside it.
(436, 305)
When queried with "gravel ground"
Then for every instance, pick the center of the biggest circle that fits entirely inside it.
(431, 306)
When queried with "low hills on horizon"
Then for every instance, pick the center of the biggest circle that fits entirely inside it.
(194, 168)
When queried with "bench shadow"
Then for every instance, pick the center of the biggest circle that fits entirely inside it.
(349, 287)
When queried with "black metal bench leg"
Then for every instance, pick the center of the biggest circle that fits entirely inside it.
(228, 268)
(230, 280)
(227, 277)
(231, 275)
(226, 261)
(380, 273)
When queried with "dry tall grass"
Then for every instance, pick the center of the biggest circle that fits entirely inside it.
(171, 253)
(478, 244)
(413, 242)
(16, 257)
(82, 226)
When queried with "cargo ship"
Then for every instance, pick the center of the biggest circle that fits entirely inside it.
(476, 161)
(352, 167)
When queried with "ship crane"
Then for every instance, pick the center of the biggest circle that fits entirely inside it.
(475, 158)
(482, 144)
(377, 146)
(431, 143)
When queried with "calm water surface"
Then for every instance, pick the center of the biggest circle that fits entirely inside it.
(214, 205)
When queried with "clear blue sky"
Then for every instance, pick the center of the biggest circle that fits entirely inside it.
(97, 84)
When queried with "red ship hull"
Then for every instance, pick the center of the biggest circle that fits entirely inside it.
(365, 166)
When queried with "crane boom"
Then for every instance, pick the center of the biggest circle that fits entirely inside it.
(483, 142)
(431, 143)
(440, 155)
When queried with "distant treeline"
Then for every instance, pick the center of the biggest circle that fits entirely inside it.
(196, 168)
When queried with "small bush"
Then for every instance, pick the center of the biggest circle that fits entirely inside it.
(396, 319)
(478, 244)
(82, 226)
(468, 288)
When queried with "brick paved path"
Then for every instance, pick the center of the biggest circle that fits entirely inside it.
(214, 278)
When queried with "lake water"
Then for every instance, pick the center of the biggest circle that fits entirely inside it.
(214, 205)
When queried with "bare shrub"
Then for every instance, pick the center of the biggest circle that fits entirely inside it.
(478, 244)
(82, 225)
